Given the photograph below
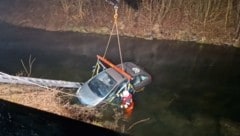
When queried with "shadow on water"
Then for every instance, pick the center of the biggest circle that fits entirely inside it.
(195, 88)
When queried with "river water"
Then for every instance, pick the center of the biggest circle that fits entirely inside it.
(195, 88)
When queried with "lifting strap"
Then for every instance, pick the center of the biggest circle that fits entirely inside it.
(121, 71)
(115, 26)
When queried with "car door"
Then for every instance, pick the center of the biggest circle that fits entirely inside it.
(114, 95)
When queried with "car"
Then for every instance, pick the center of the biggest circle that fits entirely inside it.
(110, 82)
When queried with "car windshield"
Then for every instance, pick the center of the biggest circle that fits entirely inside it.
(102, 84)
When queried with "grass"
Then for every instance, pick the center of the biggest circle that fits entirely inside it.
(60, 104)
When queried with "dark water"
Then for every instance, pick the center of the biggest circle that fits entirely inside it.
(195, 88)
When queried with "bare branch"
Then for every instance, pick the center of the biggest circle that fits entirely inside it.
(138, 122)
(28, 70)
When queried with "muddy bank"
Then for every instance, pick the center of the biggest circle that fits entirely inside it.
(19, 120)
(58, 103)
(179, 20)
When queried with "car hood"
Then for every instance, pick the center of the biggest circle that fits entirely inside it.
(87, 97)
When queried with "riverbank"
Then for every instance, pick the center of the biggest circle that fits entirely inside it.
(178, 20)
(57, 103)
(19, 120)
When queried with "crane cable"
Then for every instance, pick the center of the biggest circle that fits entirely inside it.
(115, 25)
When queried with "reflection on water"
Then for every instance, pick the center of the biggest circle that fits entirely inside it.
(195, 88)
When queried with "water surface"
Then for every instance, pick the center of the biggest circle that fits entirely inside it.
(195, 88)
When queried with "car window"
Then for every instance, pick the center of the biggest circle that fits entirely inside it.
(143, 77)
(102, 84)
(138, 79)
(121, 87)
(118, 89)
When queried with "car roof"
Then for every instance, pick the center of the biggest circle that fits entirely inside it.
(133, 69)
(115, 75)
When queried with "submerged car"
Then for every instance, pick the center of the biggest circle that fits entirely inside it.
(104, 87)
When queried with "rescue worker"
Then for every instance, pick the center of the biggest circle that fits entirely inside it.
(127, 103)
(126, 99)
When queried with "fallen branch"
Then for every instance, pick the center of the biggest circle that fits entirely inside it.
(138, 122)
